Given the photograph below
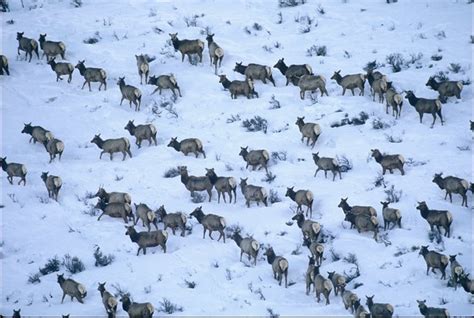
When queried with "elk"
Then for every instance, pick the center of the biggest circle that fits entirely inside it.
(187, 47)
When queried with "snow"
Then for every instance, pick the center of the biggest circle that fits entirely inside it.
(35, 228)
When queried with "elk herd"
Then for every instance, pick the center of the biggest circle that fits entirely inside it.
(362, 218)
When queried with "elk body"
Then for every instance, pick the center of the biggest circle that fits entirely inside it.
(255, 72)
(247, 246)
(429, 312)
(51, 49)
(394, 100)
(142, 132)
(434, 260)
(72, 288)
(322, 286)
(279, 266)
(186, 146)
(27, 45)
(356, 209)
(14, 170)
(316, 249)
(379, 309)
(108, 300)
(452, 185)
(53, 184)
(146, 215)
(436, 218)
(237, 88)
(216, 53)
(223, 185)
(253, 193)
(136, 310)
(54, 147)
(210, 222)
(351, 82)
(130, 93)
(193, 183)
(143, 67)
(338, 281)
(456, 270)
(301, 197)
(390, 215)
(425, 106)
(147, 239)
(110, 197)
(312, 83)
(92, 74)
(172, 220)
(446, 88)
(112, 146)
(293, 71)
(255, 158)
(165, 82)
(389, 162)
(61, 68)
(363, 223)
(327, 164)
(115, 210)
(37, 133)
(4, 65)
(310, 131)
(187, 47)
(310, 229)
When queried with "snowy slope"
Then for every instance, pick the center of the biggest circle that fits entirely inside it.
(35, 228)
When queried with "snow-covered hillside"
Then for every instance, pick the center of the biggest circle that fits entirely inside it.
(354, 32)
